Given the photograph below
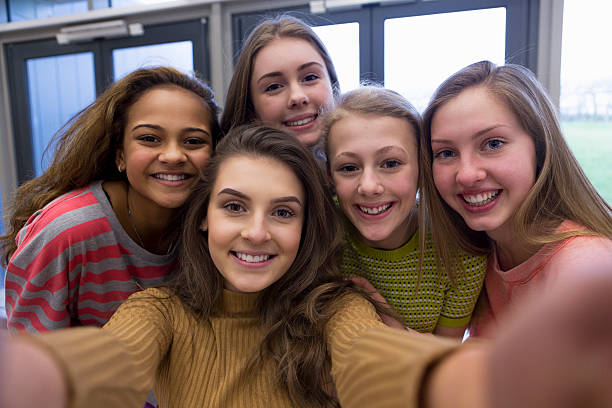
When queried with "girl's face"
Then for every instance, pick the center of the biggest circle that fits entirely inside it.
(254, 229)
(289, 87)
(374, 165)
(166, 142)
(484, 162)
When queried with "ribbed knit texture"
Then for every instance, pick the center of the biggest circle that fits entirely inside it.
(75, 264)
(394, 273)
(152, 339)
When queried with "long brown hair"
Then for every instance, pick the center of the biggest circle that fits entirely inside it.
(561, 190)
(87, 144)
(239, 108)
(293, 310)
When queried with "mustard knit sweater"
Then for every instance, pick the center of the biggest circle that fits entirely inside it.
(152, 341)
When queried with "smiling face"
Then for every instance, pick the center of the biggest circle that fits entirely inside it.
(374, 166)
(484, 162)
(254, 229)
(166, 142)
(289, 87)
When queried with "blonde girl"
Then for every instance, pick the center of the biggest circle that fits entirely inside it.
(372, 145)
(284, 78)
(499, 179)
(99, 224)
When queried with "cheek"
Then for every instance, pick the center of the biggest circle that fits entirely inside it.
(345, 189)
(266, 109)
(200, 158)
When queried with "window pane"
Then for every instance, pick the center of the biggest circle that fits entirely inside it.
(3, 15)
(59, 87)
(131, 3)
(586, 89)
(30, 9)
(342, 43)
(422, 51)
(177, 54)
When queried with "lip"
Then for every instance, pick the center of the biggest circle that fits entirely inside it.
(246, 264)
(313, 116)
(481, 208)
(378, 216)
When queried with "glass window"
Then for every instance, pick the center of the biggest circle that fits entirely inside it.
(422, 51)
(342, 43)
(3, 15)
(586, 89)
(131, 3)
(30, 9)
(176, 54)
(59, 87)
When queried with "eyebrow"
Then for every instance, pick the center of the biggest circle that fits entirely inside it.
(474, 136)
(382, 150)
(231, 191)
(157, 127)
(278, 73)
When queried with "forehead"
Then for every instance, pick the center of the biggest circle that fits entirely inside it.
(164, 97)
(473, 109)
(285, 53)
(366, 133)
(245, 174)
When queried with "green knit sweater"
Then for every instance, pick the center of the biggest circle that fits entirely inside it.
(394, 273)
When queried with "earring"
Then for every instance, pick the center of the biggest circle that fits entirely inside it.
(120, 168)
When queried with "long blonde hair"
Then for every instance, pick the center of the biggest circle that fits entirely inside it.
(561, 190)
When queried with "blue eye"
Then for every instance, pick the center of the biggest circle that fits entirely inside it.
(391, 164)
(311, 77)
(494, 144)
(272, 87)
(444, 154)
(347, 168)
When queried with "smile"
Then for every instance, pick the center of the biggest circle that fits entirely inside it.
(481, 198)
(301, 122)
(170, 177)
(251, 258)
(375, 210)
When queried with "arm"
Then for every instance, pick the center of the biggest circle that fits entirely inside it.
(114, 366)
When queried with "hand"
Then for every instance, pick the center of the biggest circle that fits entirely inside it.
(365, 284)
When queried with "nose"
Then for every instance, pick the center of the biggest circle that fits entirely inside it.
(470, 172)
(369, 184)
(256, 230)
(297, 96)
(172, 153)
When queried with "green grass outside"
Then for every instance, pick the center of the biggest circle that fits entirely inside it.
(591, 143)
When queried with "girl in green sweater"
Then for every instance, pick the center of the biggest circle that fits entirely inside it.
(372, 147)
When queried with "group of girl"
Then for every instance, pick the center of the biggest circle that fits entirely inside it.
(247, 305)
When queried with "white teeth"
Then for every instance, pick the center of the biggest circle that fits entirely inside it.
(301, 122)
(170, 177)
(481, 198)
(375, 210)
(251, 258)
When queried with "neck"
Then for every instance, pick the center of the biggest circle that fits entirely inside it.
(511, 253)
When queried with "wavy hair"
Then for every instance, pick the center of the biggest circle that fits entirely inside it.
(87, 144)
(239, 108)
(561, 190)
(294, 310)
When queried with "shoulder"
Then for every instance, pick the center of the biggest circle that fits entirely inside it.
(582, 253)
(352, 309)
(149, 304)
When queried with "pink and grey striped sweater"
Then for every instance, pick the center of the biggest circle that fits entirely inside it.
(75, 264)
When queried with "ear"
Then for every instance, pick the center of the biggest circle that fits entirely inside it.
(119, 161)
(204, 226)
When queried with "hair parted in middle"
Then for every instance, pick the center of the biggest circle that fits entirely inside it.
(561, 190)
(294, 309)
(239, 108)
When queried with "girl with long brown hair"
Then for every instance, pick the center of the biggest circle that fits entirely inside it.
(284, 78)
(98, 224)
(501, 180)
